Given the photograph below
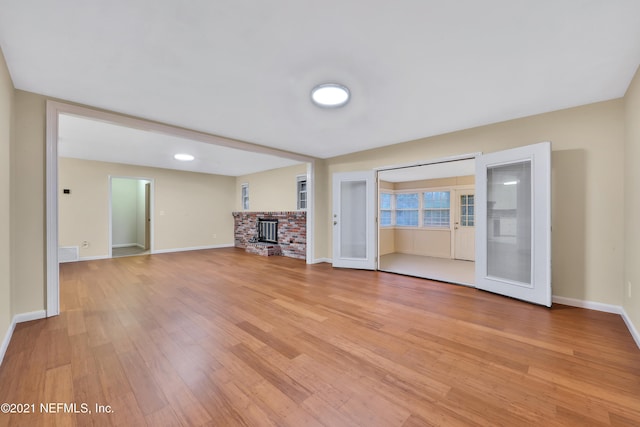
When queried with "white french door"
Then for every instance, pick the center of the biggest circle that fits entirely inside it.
(354, 227)
(464, 231)
(513, 223)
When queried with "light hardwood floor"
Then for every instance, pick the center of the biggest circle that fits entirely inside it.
(224, 338)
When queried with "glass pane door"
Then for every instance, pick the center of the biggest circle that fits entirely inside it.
(509, 222)
(354, 212)
(513, 223)
(353, 232)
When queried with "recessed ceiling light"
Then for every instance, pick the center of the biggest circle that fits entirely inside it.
(330, 95)
(183, 157)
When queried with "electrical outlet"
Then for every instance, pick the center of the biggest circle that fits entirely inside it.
(215, 236)
(629, 288)
(85, 244)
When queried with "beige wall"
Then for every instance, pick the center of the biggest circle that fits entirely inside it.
(6, 114)
(587, 186)
(274, 190)
(188, 208)
(321, 211)
(632, 202)
(28, 199)
(420, 241)
(386, 241)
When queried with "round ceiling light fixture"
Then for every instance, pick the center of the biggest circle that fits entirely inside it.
(183, 157)
(330, 95)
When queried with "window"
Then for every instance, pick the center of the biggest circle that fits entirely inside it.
(301, 192)
(245, 197)
(467, 211)
(437, 205)
(386, 209)
(407, 209)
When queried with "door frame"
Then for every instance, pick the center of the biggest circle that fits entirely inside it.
(55, 108)
(148, 219)
(151, 183)
(542, 268)
(448, 159)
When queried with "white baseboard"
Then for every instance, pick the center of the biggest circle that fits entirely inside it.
(27, 317)
(18, 318)
(607, 308)
(161, 251)
(195, 248)
(631, 327)
(598, 306)
(6, 340)
(92, 258)
(320, 260)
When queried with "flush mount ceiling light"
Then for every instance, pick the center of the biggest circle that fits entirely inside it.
(330, 95)
(183, 157)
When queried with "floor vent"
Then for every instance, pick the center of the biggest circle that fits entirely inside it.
(68, 254)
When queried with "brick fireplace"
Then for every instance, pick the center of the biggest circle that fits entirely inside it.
(291, 233)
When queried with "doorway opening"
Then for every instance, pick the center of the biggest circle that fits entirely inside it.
(509, 207)
(98, 246)
(130, 216)
(427, 221)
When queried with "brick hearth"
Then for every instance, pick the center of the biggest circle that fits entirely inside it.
(292, 233)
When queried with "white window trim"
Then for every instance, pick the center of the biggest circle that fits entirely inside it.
(421, 209)
(299, 179)
(391, 209)
(395, 209)
(244, 196)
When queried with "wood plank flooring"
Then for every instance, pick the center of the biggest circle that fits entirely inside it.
(224, 338)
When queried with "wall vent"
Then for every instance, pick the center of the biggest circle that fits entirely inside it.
(68, 254)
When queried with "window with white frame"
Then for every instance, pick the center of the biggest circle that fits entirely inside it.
(301, 191)
(467, 211)
(386, 209)
(407, 209)
(436, 209)
(428, 209)
(245, 196)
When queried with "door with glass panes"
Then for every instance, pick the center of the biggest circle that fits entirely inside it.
(464, 230)
(513, 223)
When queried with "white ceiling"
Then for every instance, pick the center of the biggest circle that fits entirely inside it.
(244, 69)
(84, 138)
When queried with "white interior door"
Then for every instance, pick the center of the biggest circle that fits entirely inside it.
(513, 223)
(464, 229)
(354, 228)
